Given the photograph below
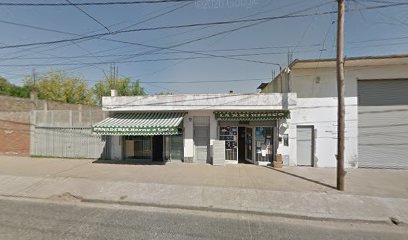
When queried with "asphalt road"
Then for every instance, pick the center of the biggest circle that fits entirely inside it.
(27, 219)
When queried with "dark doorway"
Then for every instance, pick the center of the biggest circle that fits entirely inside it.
(241, 145)
(157, 149)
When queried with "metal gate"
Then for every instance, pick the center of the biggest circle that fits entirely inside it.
(304, 140)
(383, 123)
(69, 143)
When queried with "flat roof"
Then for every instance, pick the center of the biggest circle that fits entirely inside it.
(351, 61)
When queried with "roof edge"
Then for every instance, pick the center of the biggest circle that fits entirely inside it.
(294, 62)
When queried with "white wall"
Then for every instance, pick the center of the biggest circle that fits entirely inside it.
(194, 105)
(189, 130)
(317, 105)
(116, 148)
(288, 152)
(197, 102)
(322, 114)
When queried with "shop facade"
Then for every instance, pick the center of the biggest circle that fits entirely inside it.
(185, 127)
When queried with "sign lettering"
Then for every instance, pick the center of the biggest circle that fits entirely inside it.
(252, 116)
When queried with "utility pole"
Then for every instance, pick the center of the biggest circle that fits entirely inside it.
(340, 96)
(33, 94)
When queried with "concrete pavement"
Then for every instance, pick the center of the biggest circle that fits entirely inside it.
(368, 182)
(32, 219)
(245, 188)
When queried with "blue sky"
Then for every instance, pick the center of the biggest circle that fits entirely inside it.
(368, 32)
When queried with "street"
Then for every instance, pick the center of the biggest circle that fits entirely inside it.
(32, 219)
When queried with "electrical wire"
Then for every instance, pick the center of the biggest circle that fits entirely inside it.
(166, 28)
(88, 15)
(21, 4)
(193, 25)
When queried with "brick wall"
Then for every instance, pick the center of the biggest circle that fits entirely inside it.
(15, 121)
(14, 134)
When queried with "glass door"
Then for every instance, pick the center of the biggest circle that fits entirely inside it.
(248, 144)
(264, 144)
(176, 147)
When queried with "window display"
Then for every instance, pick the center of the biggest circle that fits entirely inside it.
(142, 147)
(230, 136)
(248, 143)
(263, 143)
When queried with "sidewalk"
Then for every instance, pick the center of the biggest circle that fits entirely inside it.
(51, 178)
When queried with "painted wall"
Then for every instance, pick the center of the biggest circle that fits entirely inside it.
(189, 132)
(116, 148)
(198, 102)
(17, 127)
(316, 90)
(195, 105)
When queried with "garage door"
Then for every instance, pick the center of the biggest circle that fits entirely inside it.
(383, 123)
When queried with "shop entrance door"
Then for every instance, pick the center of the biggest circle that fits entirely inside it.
(157, 142)
(248, 145)
(142, 146)
(241, 145)
(263, 141)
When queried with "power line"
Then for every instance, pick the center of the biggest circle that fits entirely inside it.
(192, 25)
(202, 38)
(157, 16)
(213, 35)
(87, 14)
(13, 4)
(69, 33)
(158, 53)
(215, 50)
(141, 60)
(158, 49)
(74, 34)
(164, 28)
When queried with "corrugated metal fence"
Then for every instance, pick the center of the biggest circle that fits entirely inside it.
(67, 134)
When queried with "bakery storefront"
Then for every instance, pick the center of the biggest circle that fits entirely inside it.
(195, 128)
(250, 136)
(145, 135)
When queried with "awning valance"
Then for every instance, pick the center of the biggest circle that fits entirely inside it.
(252, 115)
(140, 124)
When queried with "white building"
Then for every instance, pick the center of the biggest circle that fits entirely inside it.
(185, 127)
(295, 115)
(376, 98)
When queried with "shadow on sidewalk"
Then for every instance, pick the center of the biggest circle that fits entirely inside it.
(128, 162)
(303, 178)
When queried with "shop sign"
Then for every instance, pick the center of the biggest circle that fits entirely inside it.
(253, 116)
(107, 130)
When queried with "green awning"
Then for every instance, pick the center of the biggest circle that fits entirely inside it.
(140, 124)
(252, 115)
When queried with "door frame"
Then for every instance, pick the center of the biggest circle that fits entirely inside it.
(156, 141)
(312, 127)
(208, 143)
(252, 145)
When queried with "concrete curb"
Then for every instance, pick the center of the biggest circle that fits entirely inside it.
(221, 210)
(226, 210)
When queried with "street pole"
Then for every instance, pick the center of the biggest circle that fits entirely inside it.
(33, 94)
(340, 96)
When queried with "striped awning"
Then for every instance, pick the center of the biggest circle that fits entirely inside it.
(140, 124)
